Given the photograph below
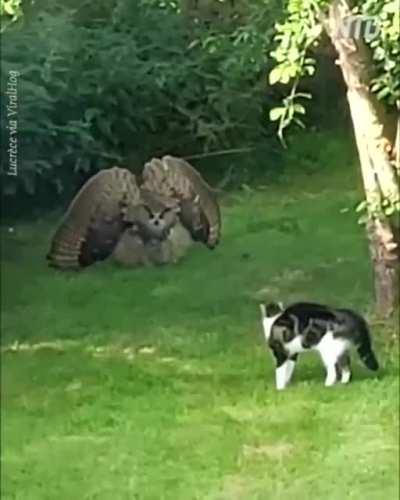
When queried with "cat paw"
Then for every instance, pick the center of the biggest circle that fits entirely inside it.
(346, 377)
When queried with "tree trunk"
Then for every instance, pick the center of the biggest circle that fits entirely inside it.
(381, 181)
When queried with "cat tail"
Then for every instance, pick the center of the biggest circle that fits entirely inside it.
(364, 348)
(368, 357)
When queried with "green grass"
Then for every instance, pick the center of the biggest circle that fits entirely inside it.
(155, 384)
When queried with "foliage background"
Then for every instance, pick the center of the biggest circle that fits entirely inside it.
(300, 37)
(121, 81)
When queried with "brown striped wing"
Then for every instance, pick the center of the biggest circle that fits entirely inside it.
(95, 219)
(176, 178)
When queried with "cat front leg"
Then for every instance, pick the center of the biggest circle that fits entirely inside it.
(284, 367)
(331, 375)
(290, 366)
(281, 374)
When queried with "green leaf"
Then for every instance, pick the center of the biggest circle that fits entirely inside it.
(275, 75)
(310, 70)
(285, 77)
(315, 31)
(383, 93)
(389, 210)
(361, 206)
(9, 8)
(276, 114)
(363, 220)
(299, 108)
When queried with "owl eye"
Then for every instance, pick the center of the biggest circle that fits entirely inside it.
(149, 212)
(161, 215)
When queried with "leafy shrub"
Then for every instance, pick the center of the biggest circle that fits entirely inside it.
(101, 85)
(119, 81)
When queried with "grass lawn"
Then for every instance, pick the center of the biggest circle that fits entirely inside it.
(155, 384)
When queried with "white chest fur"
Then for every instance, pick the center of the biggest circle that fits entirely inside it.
(267, 325)
(294, 346)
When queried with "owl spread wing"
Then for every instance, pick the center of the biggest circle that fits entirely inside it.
(95, 219)
(176, 178)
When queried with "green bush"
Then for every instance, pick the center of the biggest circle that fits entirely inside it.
(118, 81)
(117, 85)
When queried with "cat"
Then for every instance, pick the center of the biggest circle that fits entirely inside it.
(305, 326)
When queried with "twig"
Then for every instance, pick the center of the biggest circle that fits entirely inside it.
(225, 180)
(220, 153)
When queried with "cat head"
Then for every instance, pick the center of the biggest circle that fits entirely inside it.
(269, 314)
(271, 309)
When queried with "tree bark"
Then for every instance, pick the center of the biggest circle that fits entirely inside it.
(380, 177)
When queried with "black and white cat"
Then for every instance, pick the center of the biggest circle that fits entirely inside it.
(306, 326)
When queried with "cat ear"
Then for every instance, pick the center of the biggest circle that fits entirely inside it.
(272, 309)
(263, 310)
(280, 304)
